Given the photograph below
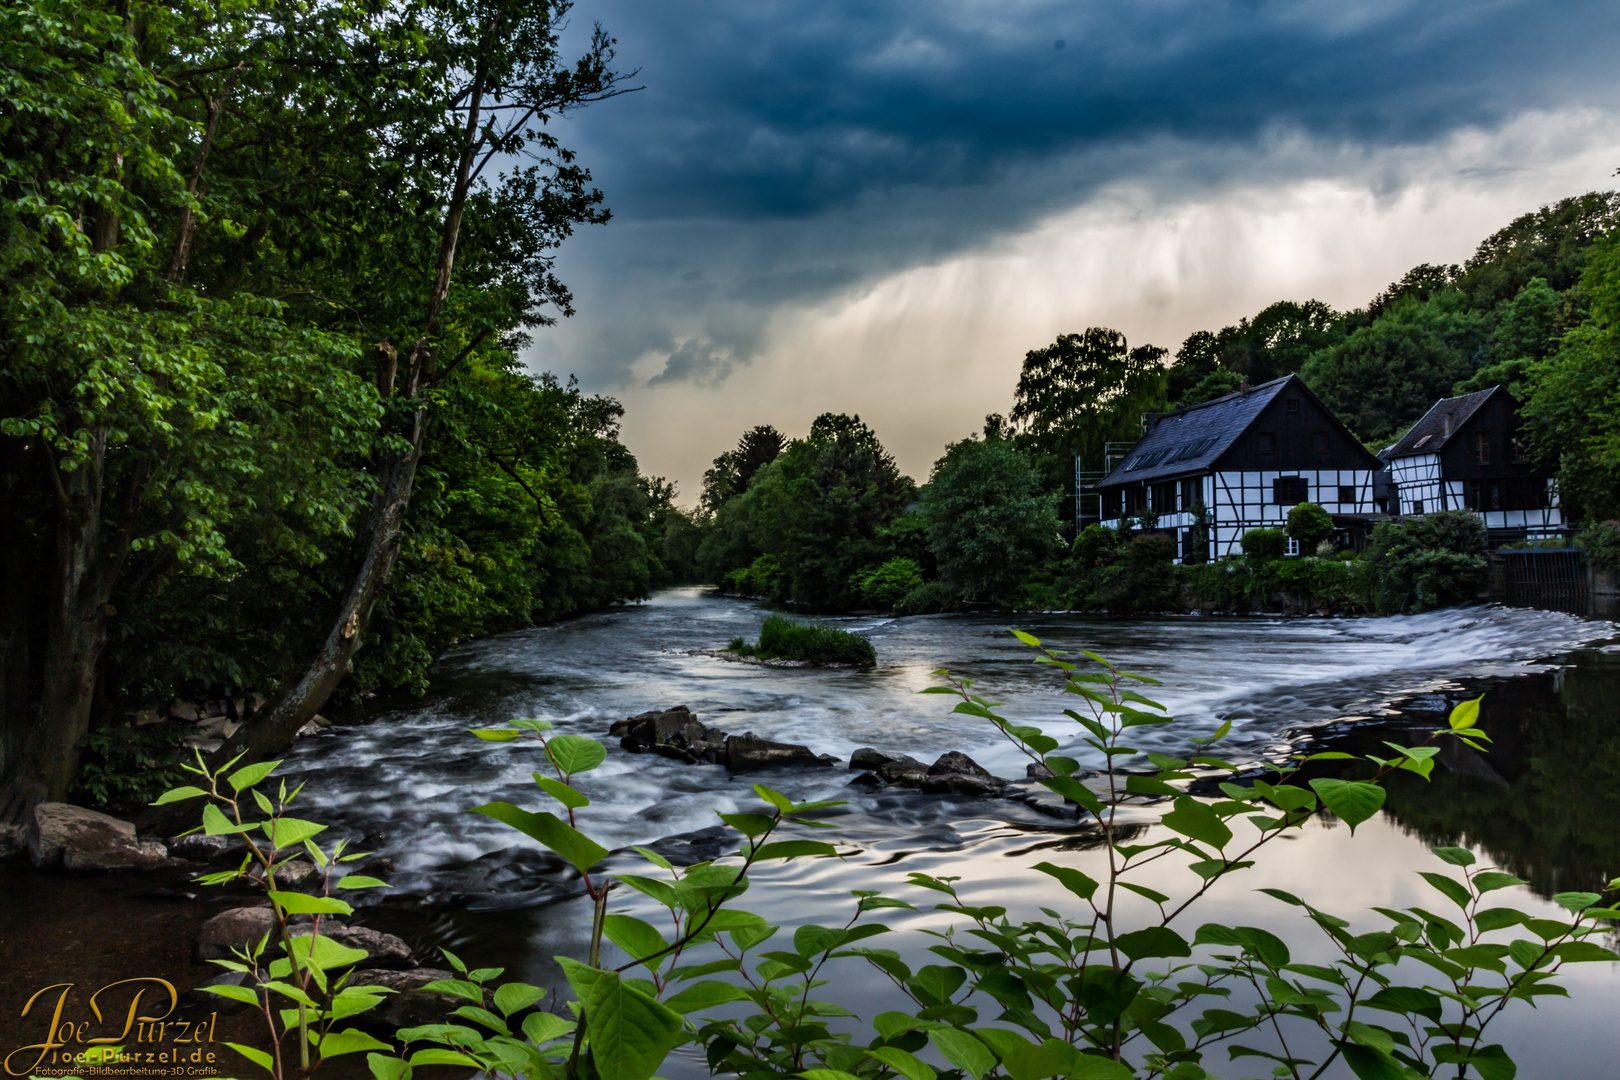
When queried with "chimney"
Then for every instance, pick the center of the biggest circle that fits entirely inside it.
(1445, 425)
(1243, 387)
(1149, 422)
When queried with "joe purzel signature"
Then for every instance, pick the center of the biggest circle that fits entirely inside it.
(118, 1038)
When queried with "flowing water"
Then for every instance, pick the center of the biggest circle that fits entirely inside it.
(1546, 805)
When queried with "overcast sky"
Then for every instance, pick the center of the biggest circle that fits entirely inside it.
(878, 208)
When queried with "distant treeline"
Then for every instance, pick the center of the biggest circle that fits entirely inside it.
(828, 522)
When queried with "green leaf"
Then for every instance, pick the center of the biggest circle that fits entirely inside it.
(1490, 880)
(1576, 902)
(1406, 1000)
(1490, 1062)
(215, 823)
(775, 798)
(963, 1050)
(322, 952)
(1498, 918)
(543, 1027)
(515, 997)
(388, 1068)
(550, 830)
(361, 881)
(1072, 879)
(1096, 1067)
(750, 825)
(1578, 952)
(244, 778)
(291, 832)
(495, 734)
(349, 1042)
(570, 797)
(177, 794)
(532, 725)
(1370, 1064)
(236, 993)
(258, 1057)
(1456, 856)
(1153, 941)
(1455, 890)
(1354, 801)
(303, 904)
(907, 1065)
(792, 849)
(437, 1055)
(631, 1034)
(1193, 818)
(575, 753)
(634, 936)
(1075, 792)
(1147, 785)
(706, 995)
(1466, 714)
(1261, 943)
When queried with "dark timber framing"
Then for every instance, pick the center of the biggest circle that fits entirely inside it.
(1215, 470)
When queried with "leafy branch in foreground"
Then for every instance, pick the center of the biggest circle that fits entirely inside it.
(1118, 985)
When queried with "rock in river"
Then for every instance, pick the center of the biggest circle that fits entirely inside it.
(86, 840)
(747, 752)
(676, 733)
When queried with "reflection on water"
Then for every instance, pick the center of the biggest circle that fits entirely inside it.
(1544, 804)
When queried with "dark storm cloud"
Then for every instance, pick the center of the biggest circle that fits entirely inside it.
(784, 150)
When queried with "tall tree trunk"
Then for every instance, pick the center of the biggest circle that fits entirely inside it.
(272, 728)
(75, 634)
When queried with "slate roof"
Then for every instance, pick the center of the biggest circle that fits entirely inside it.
(1189, 440)
(1443, 420)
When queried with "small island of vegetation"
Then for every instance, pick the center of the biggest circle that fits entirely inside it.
(782, 638)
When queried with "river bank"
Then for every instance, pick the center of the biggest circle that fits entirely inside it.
(404, 777)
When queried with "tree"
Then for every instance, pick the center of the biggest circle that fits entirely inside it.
(1386, 375)
(989, 522)
(1274, 343)
(1080, 392)
(1574, 402)
(1550, 243)
(734, 470)
(492, 76)
(1308, 526)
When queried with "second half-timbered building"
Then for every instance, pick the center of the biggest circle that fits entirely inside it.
(1467, 453)
(1211, 472)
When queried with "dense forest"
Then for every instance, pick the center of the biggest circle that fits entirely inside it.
(827, 522)
(264, 434)
(266, 439)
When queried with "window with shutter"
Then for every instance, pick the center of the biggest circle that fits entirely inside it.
(1289, 490)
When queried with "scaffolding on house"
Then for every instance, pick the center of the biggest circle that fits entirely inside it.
(1087, 500)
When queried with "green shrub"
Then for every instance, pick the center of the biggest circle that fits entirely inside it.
(1310, 525)
(782, 638)
(1097, 545)
(887, 585)
(1420, 563)
(1224, 585)
(127, 766)
(929, 598)
(1601, 541)
(1146, 577)
(1264, 545)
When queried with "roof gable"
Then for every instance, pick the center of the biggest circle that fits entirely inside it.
(1189, 440)
(1442, 422)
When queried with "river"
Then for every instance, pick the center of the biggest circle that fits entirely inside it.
(1546, 805)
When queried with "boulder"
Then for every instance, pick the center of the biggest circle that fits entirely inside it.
(237, 928)
(87, 840)
(867, 780)
(13, 841)
(745, 753)
(902, 771)
(298, 874)
(382, 950)
(201, 848)
(867, 759)
(410, 1005)
(646, 732)
(954, 762)
(1036, 771)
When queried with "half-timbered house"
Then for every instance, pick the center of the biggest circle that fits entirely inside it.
(1211, 472)
(1467, 453)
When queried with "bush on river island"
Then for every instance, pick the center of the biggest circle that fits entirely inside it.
(782, 638)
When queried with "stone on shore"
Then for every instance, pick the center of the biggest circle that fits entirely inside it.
(83, 839)
(382, 950)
